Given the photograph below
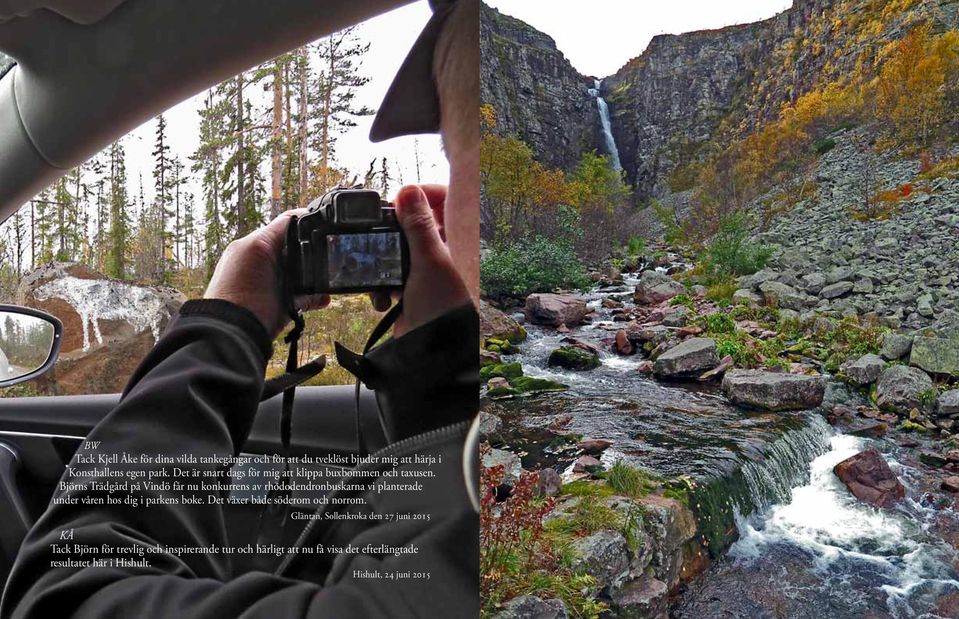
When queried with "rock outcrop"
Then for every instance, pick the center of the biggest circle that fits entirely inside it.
(108, 325)
(692, 356)
(535, 91)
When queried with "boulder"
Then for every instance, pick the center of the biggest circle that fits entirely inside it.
(489, 424)
(689, 357)
(936, 355)
(586, 464)
(573, 358)
(656, 287)
(556, 309)
(512, 466)
(603, 555)
(814, 282)
(532, 607)
(895, 346)
(864, 370)
(548, 482)
(834, 291)
(901, 388)
(949, 403)
(645, 597)
(772, 390)
(494, 324)
(778, 294)
(108, 325)
(593, 446)
(870, 479)
(622, 345)
(746, 297)
(950, 484)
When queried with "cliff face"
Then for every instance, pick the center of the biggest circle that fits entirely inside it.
(536, 92)
(688, 93)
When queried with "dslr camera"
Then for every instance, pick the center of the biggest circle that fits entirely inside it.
(348, 241)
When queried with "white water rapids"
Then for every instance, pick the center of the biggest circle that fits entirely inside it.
(607, 126)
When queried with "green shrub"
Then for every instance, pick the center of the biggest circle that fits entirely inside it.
(635, 246)
(730, 253)
(532, 265)
(719, 322)
(825, 145)
(682, 299)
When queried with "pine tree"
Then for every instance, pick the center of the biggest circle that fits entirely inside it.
(242, 181)
(118, 237)
(208, 162)
(340, 57)
(159, 239)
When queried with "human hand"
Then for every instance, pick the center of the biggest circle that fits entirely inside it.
(249, 275)
(433, 286)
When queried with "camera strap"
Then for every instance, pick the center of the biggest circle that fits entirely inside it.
(356, 364)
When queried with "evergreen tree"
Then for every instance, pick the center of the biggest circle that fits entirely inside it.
(208, 161)
(118, 237)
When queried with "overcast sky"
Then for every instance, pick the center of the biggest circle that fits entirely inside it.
(390, 36)
(600, 36)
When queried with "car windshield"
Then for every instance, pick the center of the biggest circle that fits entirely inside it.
(117, 244)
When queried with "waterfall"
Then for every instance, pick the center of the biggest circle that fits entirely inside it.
(786, 463)
(607, 126)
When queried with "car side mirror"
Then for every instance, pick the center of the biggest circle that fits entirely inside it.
(29, 343)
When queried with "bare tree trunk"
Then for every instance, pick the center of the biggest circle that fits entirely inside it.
(277, 161)
(304, 99)
(241, 215)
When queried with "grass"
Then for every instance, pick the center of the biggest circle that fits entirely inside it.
(348, 320)
(629, 481)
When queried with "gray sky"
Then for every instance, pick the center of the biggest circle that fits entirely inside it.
(390, 36)
(600, 36)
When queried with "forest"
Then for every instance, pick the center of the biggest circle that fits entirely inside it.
(267, 143)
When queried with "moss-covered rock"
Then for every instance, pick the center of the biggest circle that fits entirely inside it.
(573, 358)
(528, 384)
(508, 371)
(501, 346)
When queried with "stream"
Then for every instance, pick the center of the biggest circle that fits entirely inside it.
(807, 547)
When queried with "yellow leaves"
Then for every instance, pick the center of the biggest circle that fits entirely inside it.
(911, 90)
(487, 118)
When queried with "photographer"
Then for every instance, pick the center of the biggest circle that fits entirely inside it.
(197, 393)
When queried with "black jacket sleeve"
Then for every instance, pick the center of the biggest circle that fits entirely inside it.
(196, 394)
(426, 379)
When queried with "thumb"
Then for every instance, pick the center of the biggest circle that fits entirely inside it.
(416, 218)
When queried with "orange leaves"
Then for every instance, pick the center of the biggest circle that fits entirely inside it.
(912, 85)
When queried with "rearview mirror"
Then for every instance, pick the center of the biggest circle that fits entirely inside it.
(29, 343)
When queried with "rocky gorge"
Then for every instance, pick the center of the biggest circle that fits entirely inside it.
(721, 447)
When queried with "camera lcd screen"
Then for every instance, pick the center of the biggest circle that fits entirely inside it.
(364, 259)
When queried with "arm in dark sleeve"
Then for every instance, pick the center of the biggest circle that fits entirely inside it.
(195, 393)
(427, 378)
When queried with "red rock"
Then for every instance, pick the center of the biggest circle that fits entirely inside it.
(724, 364)
(593, 446)
(611, 303)
(691, 330)
(646, 367)
(950, 483)
(623, 346)
(562, 329)
(953, 455)
(585, 462)
(870, 479)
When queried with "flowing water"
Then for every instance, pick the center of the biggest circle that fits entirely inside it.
(807, 548)
(607, 126)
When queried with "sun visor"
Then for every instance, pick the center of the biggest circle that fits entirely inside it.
(23, 172)
(79, 11)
